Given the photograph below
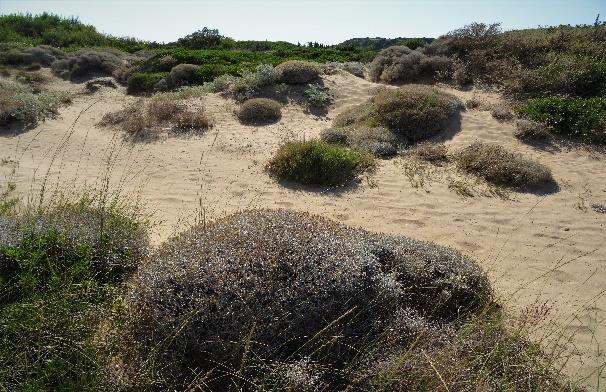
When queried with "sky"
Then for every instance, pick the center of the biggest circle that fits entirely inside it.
(325, 21)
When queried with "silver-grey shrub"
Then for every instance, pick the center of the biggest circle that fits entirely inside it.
(400, 64)
(87, 63)
(279, 286)
(19, 102)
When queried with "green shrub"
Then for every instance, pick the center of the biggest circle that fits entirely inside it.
(144, 82)
(59, 270)
(316, 96)
(259, 111)
(261, 289)
(501, 167)
(319, 163)
(298, 72)
(581, 118)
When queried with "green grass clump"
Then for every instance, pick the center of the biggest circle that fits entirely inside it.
(581, 118)
(318, 163)
(60, 270)
(501, 167)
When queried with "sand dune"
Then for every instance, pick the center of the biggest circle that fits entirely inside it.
(545, 253)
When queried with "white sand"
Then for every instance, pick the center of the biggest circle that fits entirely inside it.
(545, 254)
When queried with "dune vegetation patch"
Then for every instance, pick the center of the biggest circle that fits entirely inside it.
(298, 72)
(400, 64)
(499, 166)
(21, 102)
(316, 162)
(259, 111)
(379, 141)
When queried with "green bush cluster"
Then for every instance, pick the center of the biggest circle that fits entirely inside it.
(59, 272)
(318, 163)
(144, 82)
(581, 118)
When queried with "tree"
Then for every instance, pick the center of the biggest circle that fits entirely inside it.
(201, 39)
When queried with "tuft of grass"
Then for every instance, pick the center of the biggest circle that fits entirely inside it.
(501, 167)
(190, 120)
(260, 111)
(318, 163)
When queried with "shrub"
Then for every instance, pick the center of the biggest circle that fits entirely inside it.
(400, 64)
(502, 167)
(415, 112)
(259, 111)
(18, 102)
(473, 103)
(316, 96)
(430, 152)
(501, 113)
(144, 82)
(298, 72)
(182, 75)
(59, 269)
(318, 163)
(189, 120)
(581, 118)
(87, 63)
(34, 79)
(42, 55)
(529, 130)
(279, 286)
(353, 67)
(363, 114)
(379, 141)
(94, 84)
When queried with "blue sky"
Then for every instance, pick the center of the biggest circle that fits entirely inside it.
(327, 21)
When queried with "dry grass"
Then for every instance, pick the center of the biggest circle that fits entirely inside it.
(502, 113)
(431, 152)
(529, 130)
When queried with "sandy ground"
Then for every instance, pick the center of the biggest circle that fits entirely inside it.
(546, 254)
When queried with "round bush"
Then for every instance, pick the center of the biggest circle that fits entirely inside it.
(279, 286)
(260, 110)
(318, 163)
(502, 167)
(400, 64)
(298, 72)
(182, 75)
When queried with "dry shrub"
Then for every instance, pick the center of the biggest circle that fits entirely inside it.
(400, 64)
(473, 103)
(260, 111)
(529, 130)
(34, 79)
(94, 84)
(267, 288)
(189, 120)
(431, 152)
(501, 167)
(355, 115)
(298, 72)
(87, 63)
(161, 110)
(502, 113)
(42, 55)
(379, 141)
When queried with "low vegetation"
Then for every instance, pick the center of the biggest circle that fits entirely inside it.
(400, 64)
(435, 153)
(20, 102)
(528, 130)
(146, 119)
(260, 111)
(501, 167)
(85, 64)
(316, 97)
(298, 72)
(580, 118)
(378, 141)
(318, 163)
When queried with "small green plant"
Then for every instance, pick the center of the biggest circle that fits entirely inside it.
(581, 118)
(316, 96)
(318, 163)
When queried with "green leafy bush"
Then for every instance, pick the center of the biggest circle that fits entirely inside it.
(501, 167)
(582, 118)
(318, 162)
(144, 82)
(59, 271)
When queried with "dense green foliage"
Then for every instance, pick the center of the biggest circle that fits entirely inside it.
(141, 82)
(382, 43)
(59, 271)
(53, 30)
(580, 118)
(318, 163)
